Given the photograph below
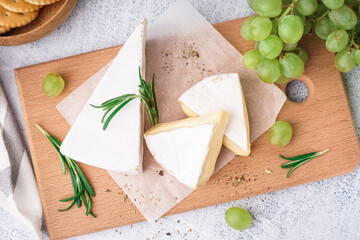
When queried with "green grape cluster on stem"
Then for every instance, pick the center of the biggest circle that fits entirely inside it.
(281, 24)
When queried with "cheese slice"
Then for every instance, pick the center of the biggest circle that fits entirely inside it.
(221, 92)
(120, 147)
(188, 148)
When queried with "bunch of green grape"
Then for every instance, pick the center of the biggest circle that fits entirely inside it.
(280, 25)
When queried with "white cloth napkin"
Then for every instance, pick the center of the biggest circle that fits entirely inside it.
(18, 191)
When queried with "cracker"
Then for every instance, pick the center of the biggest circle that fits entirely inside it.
(41, 2)
(19, 6)
(4, 29)
(11, 19)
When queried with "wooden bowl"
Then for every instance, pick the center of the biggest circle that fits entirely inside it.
(50, 17)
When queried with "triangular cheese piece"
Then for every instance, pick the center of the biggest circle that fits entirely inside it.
(188, 148)
(120, 147)
(221, 92)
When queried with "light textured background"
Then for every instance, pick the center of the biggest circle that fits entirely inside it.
(328, 209)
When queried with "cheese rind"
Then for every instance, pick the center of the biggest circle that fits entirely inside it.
(221, 92)
(188, 148)
(120, 147)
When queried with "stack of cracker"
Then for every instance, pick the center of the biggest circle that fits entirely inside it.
(18, 13)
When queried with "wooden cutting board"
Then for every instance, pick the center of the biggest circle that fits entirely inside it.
(323, 121)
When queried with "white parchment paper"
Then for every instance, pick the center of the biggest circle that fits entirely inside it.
(182, 49)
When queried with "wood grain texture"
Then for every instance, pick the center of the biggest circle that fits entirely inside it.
(323, 121)
(50, 18)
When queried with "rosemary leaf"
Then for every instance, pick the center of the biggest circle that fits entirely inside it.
(62, 160)
(106, 113)
(151, 117)
(154, 98)
(78, 202)
(300, 160)
(71, 198)
(109, 107)
(146, 94)
(73, 182)
(64, 210)
(115, 112)
(296, 166)
(87, 185)
(294, 162)
(89, 203)
(116, 100)
(54, 141)
(79, 183)
(299, 157)
(145, 88)
(83, 199)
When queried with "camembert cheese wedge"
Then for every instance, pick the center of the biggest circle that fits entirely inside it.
(188, 148)
(120, 147)
(221, 92)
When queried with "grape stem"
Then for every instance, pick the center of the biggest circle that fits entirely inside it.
(322, 16)
(287, 11)
(352, 43)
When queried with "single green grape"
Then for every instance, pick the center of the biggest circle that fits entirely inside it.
(357, 57)
(290, 29)
(269, 70)
(289, 47)
(271, 47)
(238, 218)
(343, 17)
(306, 7)
(53, 84)
(324, 27)
(282, 79)
(266, 8)
(291, 65)
(251, 59)
(280, 133)
(302, 54)
(260, 28)
(333, 4)
(245, 28)
(337, 41)
(345, 61)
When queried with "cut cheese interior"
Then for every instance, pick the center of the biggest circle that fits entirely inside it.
(120, 147)
(221, 92)
(188, 148)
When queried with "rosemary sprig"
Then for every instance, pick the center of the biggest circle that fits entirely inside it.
(80, 184)
(298, 161)
(146, 94)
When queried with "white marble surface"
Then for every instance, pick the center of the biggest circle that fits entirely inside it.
(329, 209)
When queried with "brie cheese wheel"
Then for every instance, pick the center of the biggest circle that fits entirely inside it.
(188, 148)
(120, 147)
(221, 92)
